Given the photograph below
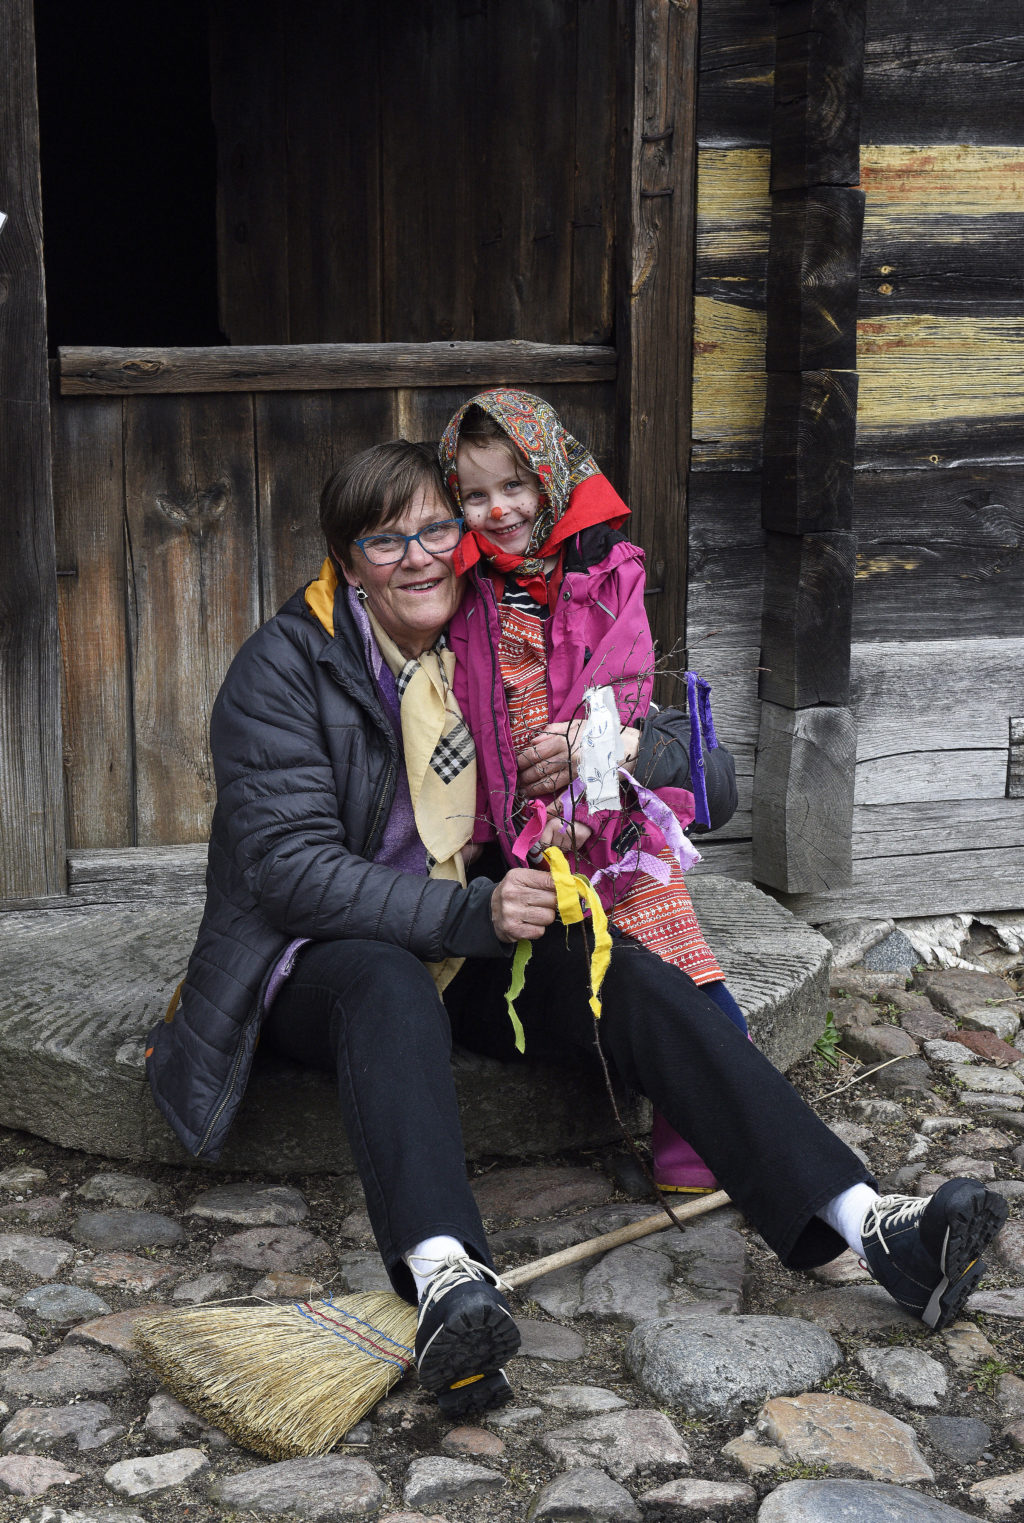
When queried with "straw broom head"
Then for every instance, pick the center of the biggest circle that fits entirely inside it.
(237, 1366)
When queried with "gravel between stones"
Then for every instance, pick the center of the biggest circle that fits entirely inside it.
(687, 1377)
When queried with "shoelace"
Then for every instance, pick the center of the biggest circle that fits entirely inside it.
(891, 1211)
(452, 1271)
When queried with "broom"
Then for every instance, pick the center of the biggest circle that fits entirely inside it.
(287, 1381)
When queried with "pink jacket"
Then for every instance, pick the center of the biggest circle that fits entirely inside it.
(597, 634)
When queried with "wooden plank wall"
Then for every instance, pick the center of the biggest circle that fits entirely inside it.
(182, 522)
(31, 813)
(726, 541)
(939, 484)
(447, 171)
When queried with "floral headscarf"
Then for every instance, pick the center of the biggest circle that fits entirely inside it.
(559, 461)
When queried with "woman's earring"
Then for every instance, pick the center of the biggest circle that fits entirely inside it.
(360, 592)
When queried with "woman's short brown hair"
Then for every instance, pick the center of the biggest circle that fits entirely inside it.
(374, 488)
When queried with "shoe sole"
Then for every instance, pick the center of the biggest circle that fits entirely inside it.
(467, 1352)
(974, 1216)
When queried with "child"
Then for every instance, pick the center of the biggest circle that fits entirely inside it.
(556, 606)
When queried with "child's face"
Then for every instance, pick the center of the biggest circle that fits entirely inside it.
(499, 496)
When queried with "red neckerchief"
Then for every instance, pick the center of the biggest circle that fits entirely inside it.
(594, 501)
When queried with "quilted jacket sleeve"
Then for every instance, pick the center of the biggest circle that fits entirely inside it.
(302, 773)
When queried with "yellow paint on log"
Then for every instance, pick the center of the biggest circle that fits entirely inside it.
(922, 369)
(728, 379)
(881, 565)
(911, 190)
(733, 205)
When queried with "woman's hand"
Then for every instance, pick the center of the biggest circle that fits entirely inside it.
(523, 904)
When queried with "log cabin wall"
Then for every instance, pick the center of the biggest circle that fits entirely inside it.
(937, 659)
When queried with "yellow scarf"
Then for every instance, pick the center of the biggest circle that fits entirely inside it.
(440, 758)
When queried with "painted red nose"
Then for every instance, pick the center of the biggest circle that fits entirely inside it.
(497, 513)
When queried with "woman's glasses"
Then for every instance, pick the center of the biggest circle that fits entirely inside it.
(435, 539)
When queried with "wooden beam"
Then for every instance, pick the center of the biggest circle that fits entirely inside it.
(819, 73)
(31, 784)
(810, 426)
(657, 106)
(805, 625)
(1015, 761)
(813, 279)
(328, 367)
(140, 875)
(802, 809)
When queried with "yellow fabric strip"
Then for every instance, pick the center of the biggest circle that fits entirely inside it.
(574, 891)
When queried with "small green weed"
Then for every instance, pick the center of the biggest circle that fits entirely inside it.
(827, 1046)
(986, 1377)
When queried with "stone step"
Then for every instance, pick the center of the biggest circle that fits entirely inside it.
(80, 988)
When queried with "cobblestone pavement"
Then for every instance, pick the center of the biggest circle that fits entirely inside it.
(681, 1377)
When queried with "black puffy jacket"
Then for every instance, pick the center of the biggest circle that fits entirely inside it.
(306, 763)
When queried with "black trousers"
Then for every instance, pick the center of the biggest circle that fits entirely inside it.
(369, 1012)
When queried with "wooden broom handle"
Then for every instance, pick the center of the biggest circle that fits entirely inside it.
(629, 1234)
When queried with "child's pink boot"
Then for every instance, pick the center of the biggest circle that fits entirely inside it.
(677, 1168)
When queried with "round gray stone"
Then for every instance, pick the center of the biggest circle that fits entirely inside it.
(90, 1423)
(150, 1473)
(712, 1366)
(251, 1205)
(854, 1502)
(108, 1230)
(588, 1495)
(62, 1305)
(621, 1443)
(42, 1257)
(22, 1176)
(433, 1481)
(549, 1340)
(963, 1439)
(328, 1490)
(125, 1190)
(71, 1371)
(905, 1374)
(894, 954)
(581, 1401)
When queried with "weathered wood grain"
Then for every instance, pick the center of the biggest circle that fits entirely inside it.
(733, 218)
(593, 192)
(728, 385)
(932, 717)
(813, 279)
(726, 563)
(805, 623)
(327, 367)
(31, 794)
(802, 805)
(248, 44)
(89, 517)
(140, 875)
(819, 73)
(950, 882)
(932, 369)
(300, 440)
(737, 52)
(191, 515)
(1015, 761)
(934, 75)
(917, 830)
(809, 434)
(731, 859)
(939, 550)
(657, 101)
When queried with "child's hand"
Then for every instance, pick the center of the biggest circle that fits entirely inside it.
(569, 837)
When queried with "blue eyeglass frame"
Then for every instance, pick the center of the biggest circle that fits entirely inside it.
(362, 543)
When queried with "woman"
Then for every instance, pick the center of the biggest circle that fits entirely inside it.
(337, 910)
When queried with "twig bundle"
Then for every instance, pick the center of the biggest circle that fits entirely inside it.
(284, 1381)
(289, 1381)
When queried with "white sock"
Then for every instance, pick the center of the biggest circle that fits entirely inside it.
(427, 1257)
(845, 1214)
